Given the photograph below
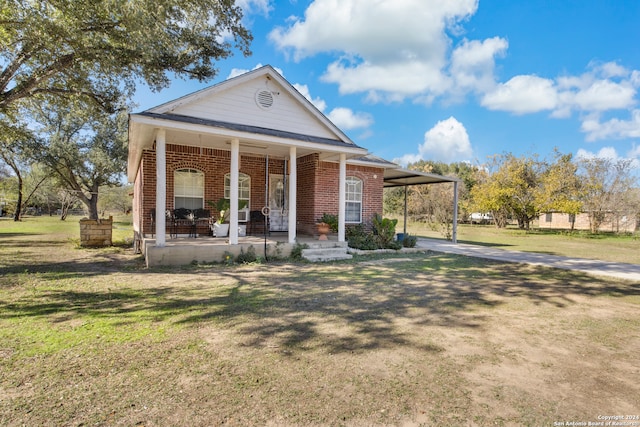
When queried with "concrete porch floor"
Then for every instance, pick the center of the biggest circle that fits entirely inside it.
(184, 250)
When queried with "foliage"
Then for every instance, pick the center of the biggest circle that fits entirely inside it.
(247, 257)
(97, 49)
(608, 189)
(560, 188)
(330, 219)
(223, 207)
(409, 241)
(296, 252)
(381, 236)
(83, 147)
(359, 238)
(384, 230)
(228, 258)
(115, 199)
(510, 190)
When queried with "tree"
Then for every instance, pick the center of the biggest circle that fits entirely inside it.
(510, 190)
(560, 187)
(98, 49)
(84, 147)
(28, 176)
(608, 189)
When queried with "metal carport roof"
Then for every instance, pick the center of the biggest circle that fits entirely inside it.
(399, 177)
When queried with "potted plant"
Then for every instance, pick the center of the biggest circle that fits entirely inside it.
(323, 229)
(221, 225)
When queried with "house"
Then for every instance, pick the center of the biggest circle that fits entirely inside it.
(611, 223)
(256, 141)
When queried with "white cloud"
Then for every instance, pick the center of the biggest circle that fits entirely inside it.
(346, 119)
(447, 141)
(261, 7)
(613, 128)
(634, 153)
(235, 72)
(522, 94)
(394, 50)
(603, 153)
(304, 91)
(473, 63)
(604, 95)
(407, 158)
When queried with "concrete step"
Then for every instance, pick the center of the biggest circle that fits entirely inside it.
(324, 254)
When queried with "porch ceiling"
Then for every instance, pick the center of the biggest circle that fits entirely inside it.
(194, 132)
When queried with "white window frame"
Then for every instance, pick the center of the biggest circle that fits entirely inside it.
(353, 196)
(188, 184)
(244, 193)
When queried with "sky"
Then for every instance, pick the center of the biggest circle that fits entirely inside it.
(454, 80)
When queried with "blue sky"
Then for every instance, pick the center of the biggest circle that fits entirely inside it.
(455, 80)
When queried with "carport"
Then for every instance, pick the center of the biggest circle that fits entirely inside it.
(404, 177)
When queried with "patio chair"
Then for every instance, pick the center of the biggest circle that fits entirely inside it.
(256, 224)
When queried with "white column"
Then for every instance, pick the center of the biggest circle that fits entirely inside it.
(293, 188)
(342, 197)
(161, 187)
(454, 236)
(235, 174)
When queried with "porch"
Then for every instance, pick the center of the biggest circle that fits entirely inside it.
(183, 250)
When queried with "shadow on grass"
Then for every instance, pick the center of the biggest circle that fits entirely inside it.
(335, 308)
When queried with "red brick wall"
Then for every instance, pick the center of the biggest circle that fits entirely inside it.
(317, 182)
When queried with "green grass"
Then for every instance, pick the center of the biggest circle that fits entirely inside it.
(602, 246)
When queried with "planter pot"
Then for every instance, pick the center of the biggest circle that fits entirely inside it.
(323, 229)
(220, 230)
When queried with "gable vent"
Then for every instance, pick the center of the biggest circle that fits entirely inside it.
(264, 99)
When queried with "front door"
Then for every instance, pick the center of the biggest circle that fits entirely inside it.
(278, 203)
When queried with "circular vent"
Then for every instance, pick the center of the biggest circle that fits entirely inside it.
(264, 99)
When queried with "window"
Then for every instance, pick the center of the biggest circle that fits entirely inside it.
(244, 194)
(188, 189)
(548, 217)
(353, 205)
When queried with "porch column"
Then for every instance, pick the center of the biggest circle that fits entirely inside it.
(454, 236)
(235, 166)
(342, 197)
(161, 187)
(293, 188)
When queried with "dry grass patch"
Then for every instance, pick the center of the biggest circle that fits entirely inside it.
(427, 339)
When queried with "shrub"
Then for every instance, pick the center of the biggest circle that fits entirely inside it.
(296, 252)
(409, 241)
(247, 257)
(359, 238)
(227, 258)
(384, 230)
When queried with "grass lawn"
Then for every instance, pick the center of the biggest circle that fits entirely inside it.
(91, 337)
(606, 247)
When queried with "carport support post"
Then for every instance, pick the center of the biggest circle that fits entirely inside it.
(161, 188)
(454, 236)
(405, 210)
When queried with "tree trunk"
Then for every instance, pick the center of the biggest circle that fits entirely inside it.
(18, 212)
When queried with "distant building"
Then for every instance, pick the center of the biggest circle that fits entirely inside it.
(563, 221)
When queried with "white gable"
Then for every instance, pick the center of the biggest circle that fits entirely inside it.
(261, 98)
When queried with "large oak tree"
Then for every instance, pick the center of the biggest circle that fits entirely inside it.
(97, 49)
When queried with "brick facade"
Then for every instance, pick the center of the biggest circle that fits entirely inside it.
(317, 189)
